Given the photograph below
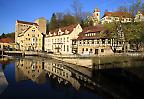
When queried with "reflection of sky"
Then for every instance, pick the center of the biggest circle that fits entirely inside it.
(0, 66)
(9, 72)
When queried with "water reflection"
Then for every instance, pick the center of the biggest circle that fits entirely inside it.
(117, 83)
(30, 69)
(3, 81)
(61, 74)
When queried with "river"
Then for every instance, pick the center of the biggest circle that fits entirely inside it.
(39, 78)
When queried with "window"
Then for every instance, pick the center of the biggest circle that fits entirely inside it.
(83, 49)
(90, 50)
(67, 39)
(79, 42)
(86, 49)
(28, 34)
(64, 39)
(92, 41)
(33, 30)
(102, 50)
(67, 48)
(109, 41)
(38, 35)
(103, 41)
(83, 42)
(64, 47)
(98, 41)
(87, 41)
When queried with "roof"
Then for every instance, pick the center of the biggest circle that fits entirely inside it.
(94, 29)
(96, 10)
(6, 40)
(24, 22)
(22, 33)
(142, 13)
(118, 14)
(68, 28)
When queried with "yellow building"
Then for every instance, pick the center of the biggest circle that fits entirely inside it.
(60, 40)
(28, 69)
(7, 44)
(123, 17)
(30, 40)
(28, 35)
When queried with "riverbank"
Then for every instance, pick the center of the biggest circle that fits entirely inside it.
(87, 61)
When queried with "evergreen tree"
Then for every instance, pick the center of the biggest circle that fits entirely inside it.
(53, 22)
(47, 26)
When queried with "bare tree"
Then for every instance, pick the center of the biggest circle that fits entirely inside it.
(123, 9)
(77, 9)
(59, 16)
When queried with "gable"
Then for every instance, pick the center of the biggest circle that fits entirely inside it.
(32, 30)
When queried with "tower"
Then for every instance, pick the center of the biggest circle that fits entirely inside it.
(42, 24)
(96, 14)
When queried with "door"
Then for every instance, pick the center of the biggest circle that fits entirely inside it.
(96, 51)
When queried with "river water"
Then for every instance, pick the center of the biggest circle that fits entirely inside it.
(40, 78)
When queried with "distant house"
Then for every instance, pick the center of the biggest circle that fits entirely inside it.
(139, 16)
(91, 42)
(7, 43)
(60, 40)
(123, 17)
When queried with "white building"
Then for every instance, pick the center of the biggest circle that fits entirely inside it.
(95, 18)
(139, 16)
(123, 17)
(90, 42)
(60, 40)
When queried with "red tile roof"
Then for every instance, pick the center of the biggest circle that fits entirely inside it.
(118, 14)
(97, 10)
(24, 22)
(142, 13)
(95, 29)
(6, 40)
(68, 28)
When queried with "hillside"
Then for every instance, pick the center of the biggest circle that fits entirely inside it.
(10, 35)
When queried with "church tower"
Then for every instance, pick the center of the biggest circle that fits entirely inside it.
(96, 14)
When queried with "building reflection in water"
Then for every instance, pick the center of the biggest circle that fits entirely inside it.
(121, 83)
(35, 70)
(29, 69)
(62, 74)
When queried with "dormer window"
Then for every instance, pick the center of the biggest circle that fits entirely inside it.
(33, 30)
(54, 33)
(49, 34)
(66, 32)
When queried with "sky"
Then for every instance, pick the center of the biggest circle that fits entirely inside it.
(29, 10)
